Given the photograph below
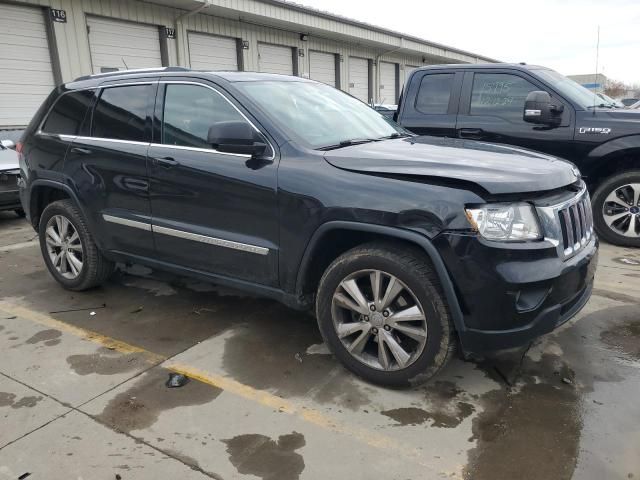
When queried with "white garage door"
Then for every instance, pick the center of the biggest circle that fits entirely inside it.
(359, 78)
(275, 59)
(322, 67)
(211, 52)
(387, 93)
(118, 45)
(26, 77)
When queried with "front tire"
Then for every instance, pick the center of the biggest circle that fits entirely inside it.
(616, 209)
(69, 250)
(381, 311)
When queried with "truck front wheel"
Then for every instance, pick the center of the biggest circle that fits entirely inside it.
(616, 209)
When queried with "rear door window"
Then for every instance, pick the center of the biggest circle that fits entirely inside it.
(121, 113)
(68, 113)
(434, 94)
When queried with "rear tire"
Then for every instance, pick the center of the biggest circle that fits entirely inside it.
(610, 219)
(69, 250)
(420, 293)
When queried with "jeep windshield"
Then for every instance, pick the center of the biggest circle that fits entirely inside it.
(570, 89)
(319, 116)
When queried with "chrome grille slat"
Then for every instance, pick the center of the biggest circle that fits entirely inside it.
(576, 223)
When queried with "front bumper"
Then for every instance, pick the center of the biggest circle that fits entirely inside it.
(510, 296)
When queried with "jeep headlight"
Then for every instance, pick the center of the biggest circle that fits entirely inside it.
(505, 222)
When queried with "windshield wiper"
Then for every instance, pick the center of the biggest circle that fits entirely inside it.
(396, 135)
(348, 143)
(602, 105)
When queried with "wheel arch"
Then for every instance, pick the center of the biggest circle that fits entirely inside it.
(376, 232)
(611, 158)
(43, 192)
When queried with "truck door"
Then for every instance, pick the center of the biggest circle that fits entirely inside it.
(430, 104)
(491, 109)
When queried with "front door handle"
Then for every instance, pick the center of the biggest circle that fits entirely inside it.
(472, 133)
(81, 151)
(166, 162)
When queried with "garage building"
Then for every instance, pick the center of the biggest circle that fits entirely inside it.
(47, 42)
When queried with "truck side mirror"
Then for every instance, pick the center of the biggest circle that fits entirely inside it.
(538, 109)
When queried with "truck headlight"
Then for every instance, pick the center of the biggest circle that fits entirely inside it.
(506, 222)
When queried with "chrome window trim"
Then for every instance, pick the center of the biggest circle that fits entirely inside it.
(197, 149)
(161, 145)
(126, 222)
(114, 140)
(185, 82)
(218, 242)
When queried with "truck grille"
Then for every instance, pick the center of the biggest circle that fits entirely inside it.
(576, 224)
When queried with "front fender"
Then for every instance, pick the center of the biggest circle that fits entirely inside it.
(421, 241)
(617, 145)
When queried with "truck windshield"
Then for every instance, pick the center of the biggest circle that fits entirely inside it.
(319, 116)
(570, 89)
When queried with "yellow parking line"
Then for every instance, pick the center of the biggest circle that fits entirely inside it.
(309, 415)
(107, 342)
(368, 437)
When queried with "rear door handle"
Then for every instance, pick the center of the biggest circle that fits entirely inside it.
(473, 133)
(81, 151)
(166, 162)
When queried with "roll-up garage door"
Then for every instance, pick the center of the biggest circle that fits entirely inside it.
(359, 78)
(212, 52)
(26, 76)
(388, 81)
(119, 45)
(322, 67)
(275, 59)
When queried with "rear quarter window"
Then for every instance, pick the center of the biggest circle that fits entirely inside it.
(68, 113)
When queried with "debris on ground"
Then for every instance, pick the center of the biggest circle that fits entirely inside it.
(177, 380)
(566, 380)
(104, 305)
(92, 314)
(138, 310)
(198, 311)
(298, 357)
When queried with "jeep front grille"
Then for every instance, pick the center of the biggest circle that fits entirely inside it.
(569, 225)
(576, 223)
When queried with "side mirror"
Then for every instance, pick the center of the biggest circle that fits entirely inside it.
(236, 137)
(8, 144)
(539, 109)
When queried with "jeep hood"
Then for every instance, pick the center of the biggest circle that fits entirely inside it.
(498, 169)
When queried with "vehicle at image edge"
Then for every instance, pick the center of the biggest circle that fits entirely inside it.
(610, 101)
(385, 110)
(539, 109)
(9, 174)
(635, 106)
(405, 246)
(627, 102)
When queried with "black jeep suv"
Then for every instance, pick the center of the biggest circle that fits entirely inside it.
(537, 108)
(405, 245)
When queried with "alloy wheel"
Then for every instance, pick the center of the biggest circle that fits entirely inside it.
(64, 247)
(379, 320)
(621, 210)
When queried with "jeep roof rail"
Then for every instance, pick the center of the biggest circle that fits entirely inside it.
(135, 70)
